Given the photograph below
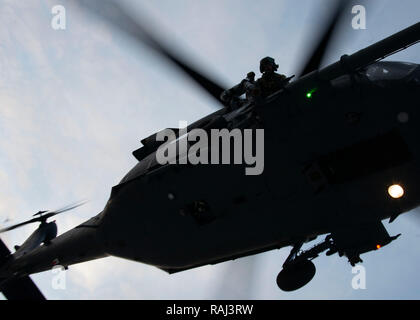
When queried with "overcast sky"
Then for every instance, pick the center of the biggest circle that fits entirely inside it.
(75, 103)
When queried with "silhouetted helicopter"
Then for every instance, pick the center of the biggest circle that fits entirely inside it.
(341, 155)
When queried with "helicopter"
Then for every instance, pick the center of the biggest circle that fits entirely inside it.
(356, 165)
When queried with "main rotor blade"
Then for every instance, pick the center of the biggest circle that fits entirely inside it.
(238, 279)
(22, 289)
(19, 225)
(17, 289)
(112, 12)
(45, 216)
(319, 50)
(64, 209)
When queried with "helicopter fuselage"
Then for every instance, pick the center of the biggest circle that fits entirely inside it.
(329, 161)
(339, 150)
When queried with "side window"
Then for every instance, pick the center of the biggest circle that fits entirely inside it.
(389, 70)
(342, 81)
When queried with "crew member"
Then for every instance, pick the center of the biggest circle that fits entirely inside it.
(270, 81)
(232, 96)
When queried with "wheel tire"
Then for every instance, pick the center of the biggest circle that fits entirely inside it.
(296, 276)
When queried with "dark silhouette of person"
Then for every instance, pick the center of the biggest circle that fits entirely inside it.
(232, 96)
(270, 81)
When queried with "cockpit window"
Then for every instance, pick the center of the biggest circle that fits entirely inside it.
(389, 70)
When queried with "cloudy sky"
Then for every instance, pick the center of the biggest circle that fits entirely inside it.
(75, 103)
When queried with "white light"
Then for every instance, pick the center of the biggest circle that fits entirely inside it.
(396, 191)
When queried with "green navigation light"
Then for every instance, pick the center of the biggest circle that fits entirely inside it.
(310, 93)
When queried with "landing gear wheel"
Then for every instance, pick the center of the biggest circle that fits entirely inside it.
(296, 275)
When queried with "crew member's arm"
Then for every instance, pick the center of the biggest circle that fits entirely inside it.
(233, 92)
